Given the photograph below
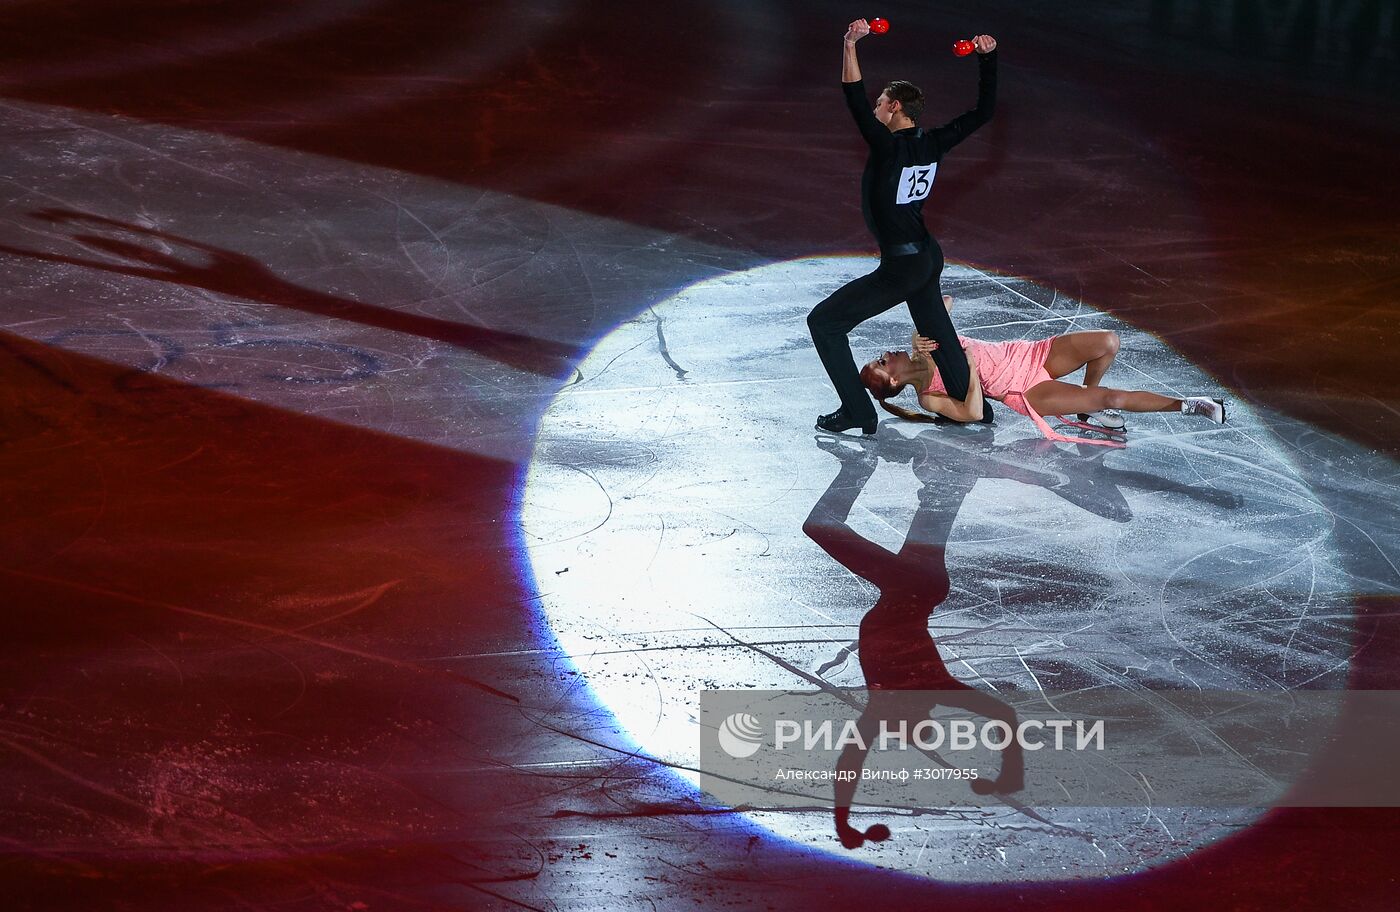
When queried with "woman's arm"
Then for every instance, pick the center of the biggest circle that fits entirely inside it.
(974, 388)
(949, 407)
(917, 351)
(969, 409)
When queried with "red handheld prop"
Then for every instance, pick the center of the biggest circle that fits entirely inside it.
(963, 47)
(879, 26)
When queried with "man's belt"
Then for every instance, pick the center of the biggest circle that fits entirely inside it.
(909, 249)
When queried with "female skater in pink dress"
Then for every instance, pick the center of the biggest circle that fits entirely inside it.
(1025, 376)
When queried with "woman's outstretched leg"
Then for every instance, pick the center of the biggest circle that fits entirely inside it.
(1054, 397)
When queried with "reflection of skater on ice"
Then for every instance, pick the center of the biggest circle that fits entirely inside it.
(898, 657)
(897, 654)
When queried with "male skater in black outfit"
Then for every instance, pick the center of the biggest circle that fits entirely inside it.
(898, 176)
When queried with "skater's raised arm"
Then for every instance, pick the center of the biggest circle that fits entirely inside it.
(850, 66)
(961, 127)
(853, 86)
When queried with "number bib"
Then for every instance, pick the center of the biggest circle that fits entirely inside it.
(915, 182)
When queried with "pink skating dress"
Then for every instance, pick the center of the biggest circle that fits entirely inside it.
(1007, 370)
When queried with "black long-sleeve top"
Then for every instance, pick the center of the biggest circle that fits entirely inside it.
(900, 170)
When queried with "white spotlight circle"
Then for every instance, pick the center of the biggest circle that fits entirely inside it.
(664, 513)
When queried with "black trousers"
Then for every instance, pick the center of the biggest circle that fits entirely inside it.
(912, 278)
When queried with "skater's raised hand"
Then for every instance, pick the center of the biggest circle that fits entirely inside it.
(859, 29)
(985, 44)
